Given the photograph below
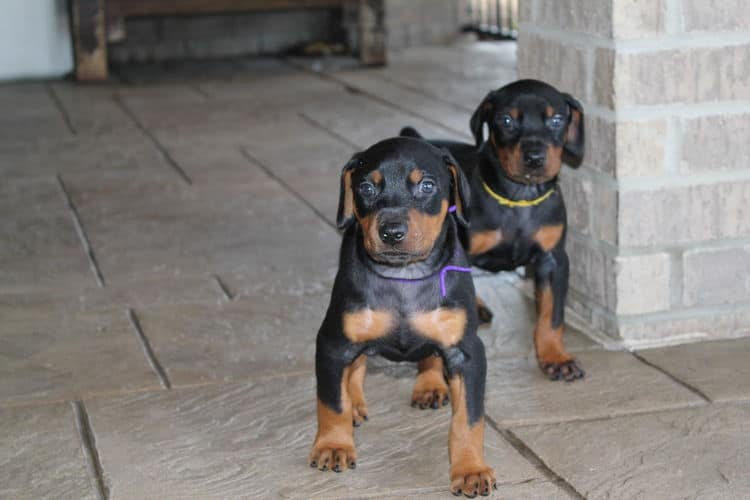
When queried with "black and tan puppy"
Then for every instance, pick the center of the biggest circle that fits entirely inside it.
(403, 291)
(517, 211)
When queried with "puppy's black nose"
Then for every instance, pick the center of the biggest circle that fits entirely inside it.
(392, 232)
(534, 159)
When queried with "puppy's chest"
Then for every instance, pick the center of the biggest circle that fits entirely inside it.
(402, 319)
(509, 237)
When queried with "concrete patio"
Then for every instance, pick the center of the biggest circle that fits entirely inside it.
(167, 254)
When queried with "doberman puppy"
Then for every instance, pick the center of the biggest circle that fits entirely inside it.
(403, 291)
(517, 212)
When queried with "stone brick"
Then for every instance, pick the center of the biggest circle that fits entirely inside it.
(600, 144)
(561, 65)
(636, 18)
(604, 77)
(591, 272)
(668, 216)
(643, 283)
(577, 191)
(584, 16)
(604, 213)
(683, 75)
(715, 15)
(711, 143)
(716, 276)
(734, 207)
(640, 148)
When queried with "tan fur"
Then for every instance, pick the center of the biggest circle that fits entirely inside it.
(442, 325)
(548, 236)
(367, 324)
(482, 241)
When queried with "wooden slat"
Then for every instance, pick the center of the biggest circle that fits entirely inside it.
(171, 7)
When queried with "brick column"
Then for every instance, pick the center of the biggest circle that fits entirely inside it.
(660, 210)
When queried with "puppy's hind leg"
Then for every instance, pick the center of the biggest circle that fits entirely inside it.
(430, 388)
(357, 390)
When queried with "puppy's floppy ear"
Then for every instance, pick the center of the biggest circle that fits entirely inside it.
(482, 115)
(460, 193)
(574, 137)
(345, 215)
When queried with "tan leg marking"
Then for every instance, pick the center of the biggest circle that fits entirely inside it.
(548, 236)
(430, 388)
(357, 390)
(367, 324)
(334, 443)
(442, 325)
(470, 474)
(548, 340)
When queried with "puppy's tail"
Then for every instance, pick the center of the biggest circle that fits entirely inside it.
(410, 132)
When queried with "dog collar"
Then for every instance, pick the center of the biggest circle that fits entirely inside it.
(443, 273)
(517, 203)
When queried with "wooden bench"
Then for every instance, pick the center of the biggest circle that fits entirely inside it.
(94, 20)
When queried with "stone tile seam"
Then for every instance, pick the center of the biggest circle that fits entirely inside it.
(673, 23)
(224, 288)
(338, 137)
(422, 92)
(647, 44)
(683, 110)
(82, 236)
(352, 89)
(534, 459)
(88, 444)
(151, 357)
(61, 109)
(264, 168)
(672, 377)
(683, 313)
(151, 137)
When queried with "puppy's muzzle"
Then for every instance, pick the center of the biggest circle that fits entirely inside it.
(534, 154)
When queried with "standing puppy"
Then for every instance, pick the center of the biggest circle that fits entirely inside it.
(403, 291)
(517, 211)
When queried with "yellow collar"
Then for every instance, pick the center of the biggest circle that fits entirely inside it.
(520, 203)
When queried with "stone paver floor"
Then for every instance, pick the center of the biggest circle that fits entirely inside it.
(167, 252)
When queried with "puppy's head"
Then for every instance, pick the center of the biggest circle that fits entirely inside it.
(400, 191)
(533, 128)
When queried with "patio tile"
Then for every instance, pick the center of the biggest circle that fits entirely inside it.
(41, 455)
(691, 453)
(719, 368)
(616, 383)
(254, 336)
(252, 441)
(69, 356)
(511, 331)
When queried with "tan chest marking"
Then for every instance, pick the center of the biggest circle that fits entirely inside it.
(367, 324)
(548, 236)
(443, 325)
(483, 241)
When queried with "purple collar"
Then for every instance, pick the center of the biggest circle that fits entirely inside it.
(443, 272)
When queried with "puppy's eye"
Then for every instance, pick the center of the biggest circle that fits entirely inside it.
(366, 189)
(555, 122)
(427, 187)
(507, 122)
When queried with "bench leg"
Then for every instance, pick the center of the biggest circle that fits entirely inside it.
(372, 36)
(89, 39)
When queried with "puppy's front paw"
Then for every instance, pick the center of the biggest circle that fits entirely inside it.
(473, 481)
(568, 371)
(430, 390)
(335, 457)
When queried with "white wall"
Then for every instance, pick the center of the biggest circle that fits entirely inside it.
(34, 39)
